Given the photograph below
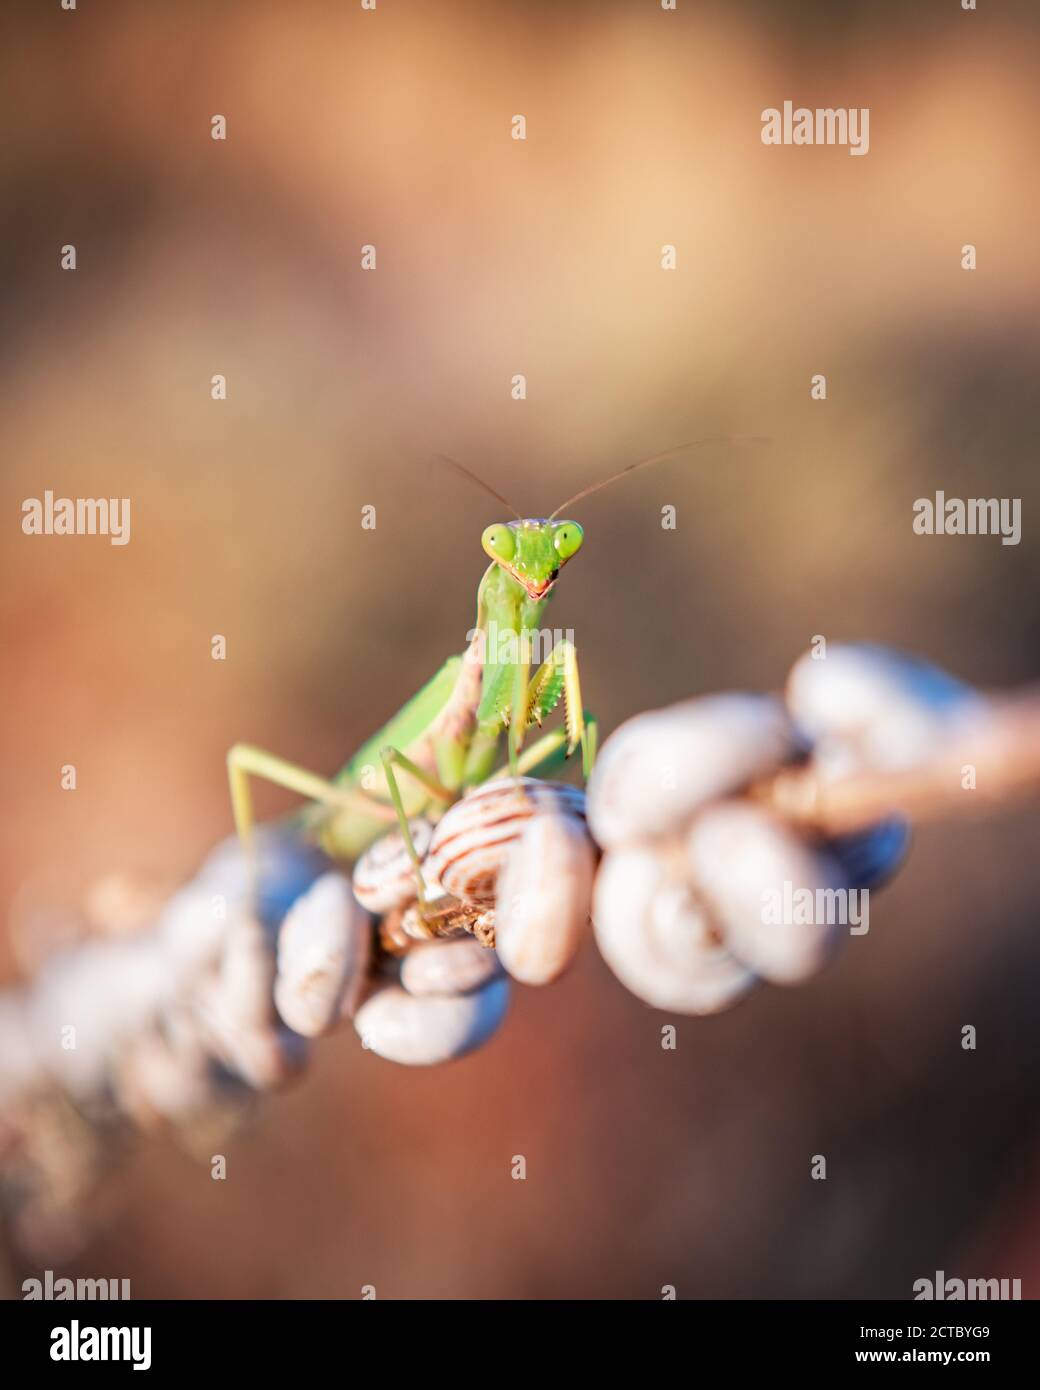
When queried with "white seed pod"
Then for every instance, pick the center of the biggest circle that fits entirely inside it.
(241, 1012)
(286, 863)
(192, 927)
(265, 1058)
(262, 1054)
(384, 876)
(659, 941)
(247, 975)
(423, 1030)
(323, 950)
(659, 767)
(454, 966)
(472, 839)
(544, 898)
(867, 706)
(754, 871)
(85, 1003)
(158, 1079)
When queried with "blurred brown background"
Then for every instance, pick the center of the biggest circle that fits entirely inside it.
(496, 257)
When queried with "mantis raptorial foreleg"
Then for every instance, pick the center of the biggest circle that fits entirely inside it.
(562, 663)
(245, 761)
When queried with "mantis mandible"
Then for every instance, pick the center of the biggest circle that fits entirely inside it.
(446, 739)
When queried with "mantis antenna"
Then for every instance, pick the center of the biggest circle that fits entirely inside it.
(659, 458)
(460, 468)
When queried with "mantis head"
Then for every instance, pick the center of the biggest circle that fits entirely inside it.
(533, 551)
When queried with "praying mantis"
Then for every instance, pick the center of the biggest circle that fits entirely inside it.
(446, 738)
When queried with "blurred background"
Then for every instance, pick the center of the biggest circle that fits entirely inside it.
(495, 257)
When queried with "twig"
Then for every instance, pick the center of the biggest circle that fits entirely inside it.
(1001, 748)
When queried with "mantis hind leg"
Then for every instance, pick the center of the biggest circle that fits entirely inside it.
(245, 761)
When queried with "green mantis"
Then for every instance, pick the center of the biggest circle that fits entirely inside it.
(446, 739)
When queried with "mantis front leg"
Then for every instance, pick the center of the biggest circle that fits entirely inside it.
(543, 692)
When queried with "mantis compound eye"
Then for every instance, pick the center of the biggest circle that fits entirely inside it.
(567, 538)
(499, 542)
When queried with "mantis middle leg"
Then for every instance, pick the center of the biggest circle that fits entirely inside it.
(389, 756)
